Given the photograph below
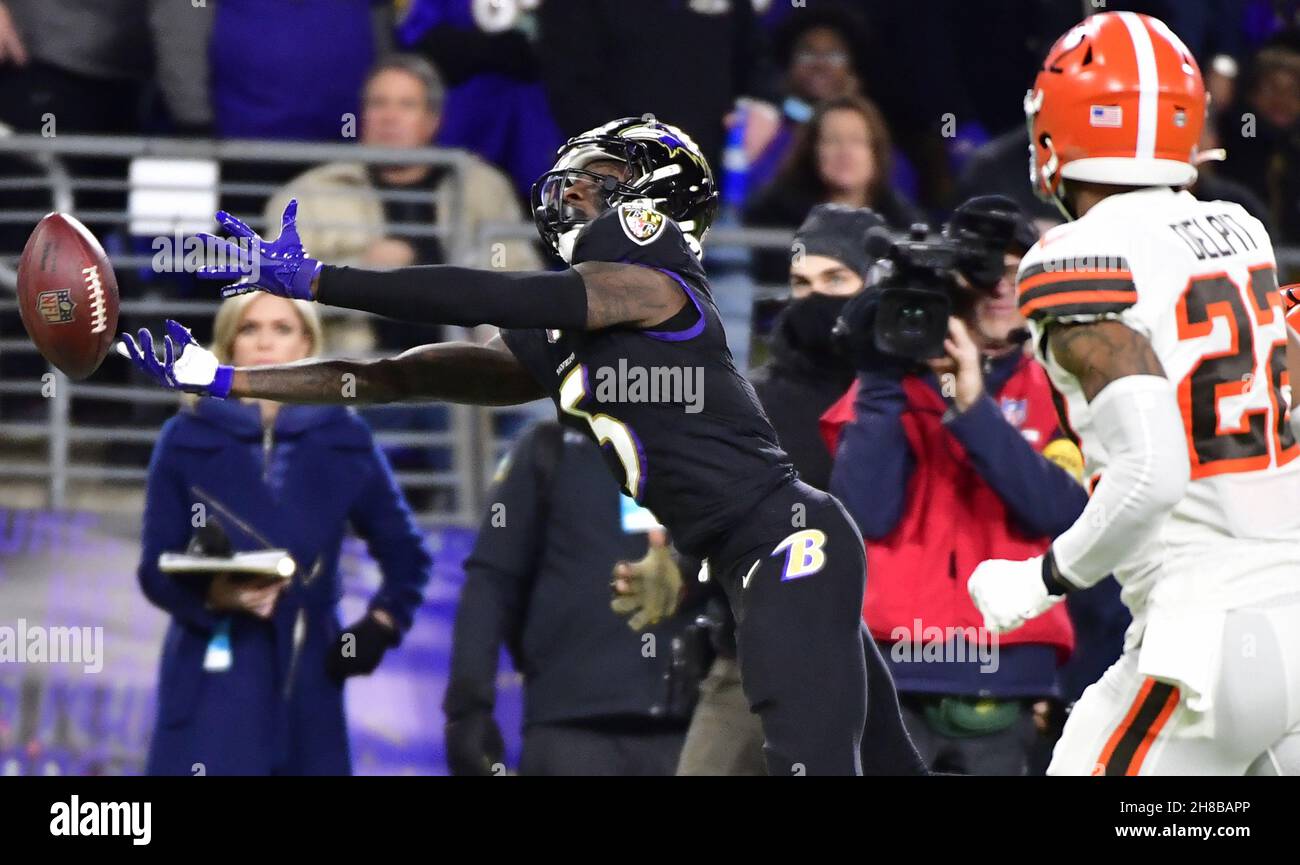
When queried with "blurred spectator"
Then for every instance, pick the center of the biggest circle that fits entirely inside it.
(496, 102)
(600, 698)
(87, 61)
(805, 373)
(1206, 27)
(87, 66)
(351, 213)
(939, 114)
(381, 216)
(940, 477)
(829, 264)
(842, 156)
(1262, 134)
(1221, 84)
(1210, 185)
(684, 62)
(818, 53)
(1001, 167)
(1014, 36)
(251, 681)
(289, 68)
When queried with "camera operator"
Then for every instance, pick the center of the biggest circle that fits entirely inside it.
(944, 462)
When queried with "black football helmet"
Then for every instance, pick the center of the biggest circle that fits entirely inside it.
(665, 167)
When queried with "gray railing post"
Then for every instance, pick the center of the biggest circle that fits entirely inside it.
(468, 437)
(60, 403)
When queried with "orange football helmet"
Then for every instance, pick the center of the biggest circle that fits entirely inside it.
(1119, 100)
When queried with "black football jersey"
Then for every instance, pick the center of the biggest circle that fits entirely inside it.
(678, 424)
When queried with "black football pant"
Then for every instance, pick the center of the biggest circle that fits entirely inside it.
(795, 575)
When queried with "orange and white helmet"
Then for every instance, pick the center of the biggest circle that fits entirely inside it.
(1119, 100)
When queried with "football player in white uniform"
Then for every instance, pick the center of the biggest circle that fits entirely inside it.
(1161, 324)
(1292, 297)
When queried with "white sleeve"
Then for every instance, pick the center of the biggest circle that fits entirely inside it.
(1138, 421)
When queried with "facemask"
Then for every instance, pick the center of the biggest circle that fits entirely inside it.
(805, 326)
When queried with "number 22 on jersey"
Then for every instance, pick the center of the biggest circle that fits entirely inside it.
(1254, 443)
(607, 430)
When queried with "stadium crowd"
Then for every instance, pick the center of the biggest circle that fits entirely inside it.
(810, 114)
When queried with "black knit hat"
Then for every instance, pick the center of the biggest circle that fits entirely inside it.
(839, 232)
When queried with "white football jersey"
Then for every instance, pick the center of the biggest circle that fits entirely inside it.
(1198, 279)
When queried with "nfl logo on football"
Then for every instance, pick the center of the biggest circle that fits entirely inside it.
(55, 306)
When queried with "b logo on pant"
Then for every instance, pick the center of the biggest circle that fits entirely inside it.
(803, 553)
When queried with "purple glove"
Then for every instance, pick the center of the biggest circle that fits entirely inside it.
(186, 365)
(279, 266)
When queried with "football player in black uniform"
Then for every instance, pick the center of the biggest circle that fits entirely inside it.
(628, 343)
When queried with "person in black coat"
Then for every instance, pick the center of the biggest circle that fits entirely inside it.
(600, 696)
(1262, 135)
(685, 63)
(805, 374)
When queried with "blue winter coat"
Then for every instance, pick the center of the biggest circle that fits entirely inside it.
(274, 711)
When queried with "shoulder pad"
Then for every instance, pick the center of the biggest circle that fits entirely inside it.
(633, 232)
(1075, 273)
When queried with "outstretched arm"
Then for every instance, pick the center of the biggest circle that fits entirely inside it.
(458, 372)
(589, 296)
(451, 372)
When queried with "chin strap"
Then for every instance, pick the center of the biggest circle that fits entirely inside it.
(564, 242)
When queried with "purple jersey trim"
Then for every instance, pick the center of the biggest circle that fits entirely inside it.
(678, 335)
(638, 494)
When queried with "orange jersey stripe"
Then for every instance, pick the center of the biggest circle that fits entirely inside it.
(1078, 297)
(1071, 276)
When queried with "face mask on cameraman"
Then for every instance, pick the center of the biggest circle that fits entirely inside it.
(831, 235)
(804, 328)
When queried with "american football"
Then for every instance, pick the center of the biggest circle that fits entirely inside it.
(67, 295)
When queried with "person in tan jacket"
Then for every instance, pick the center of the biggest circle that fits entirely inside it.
(357, 214)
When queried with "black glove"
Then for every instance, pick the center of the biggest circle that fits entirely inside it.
(854, 337)
(473, 740)
(474, 745)
(360, 648)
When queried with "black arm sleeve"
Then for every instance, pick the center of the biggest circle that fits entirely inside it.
(464, 296)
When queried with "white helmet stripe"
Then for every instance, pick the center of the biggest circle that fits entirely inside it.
(1148, 84)
(661, 173)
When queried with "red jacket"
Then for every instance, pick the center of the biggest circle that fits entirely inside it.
(952, 521)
